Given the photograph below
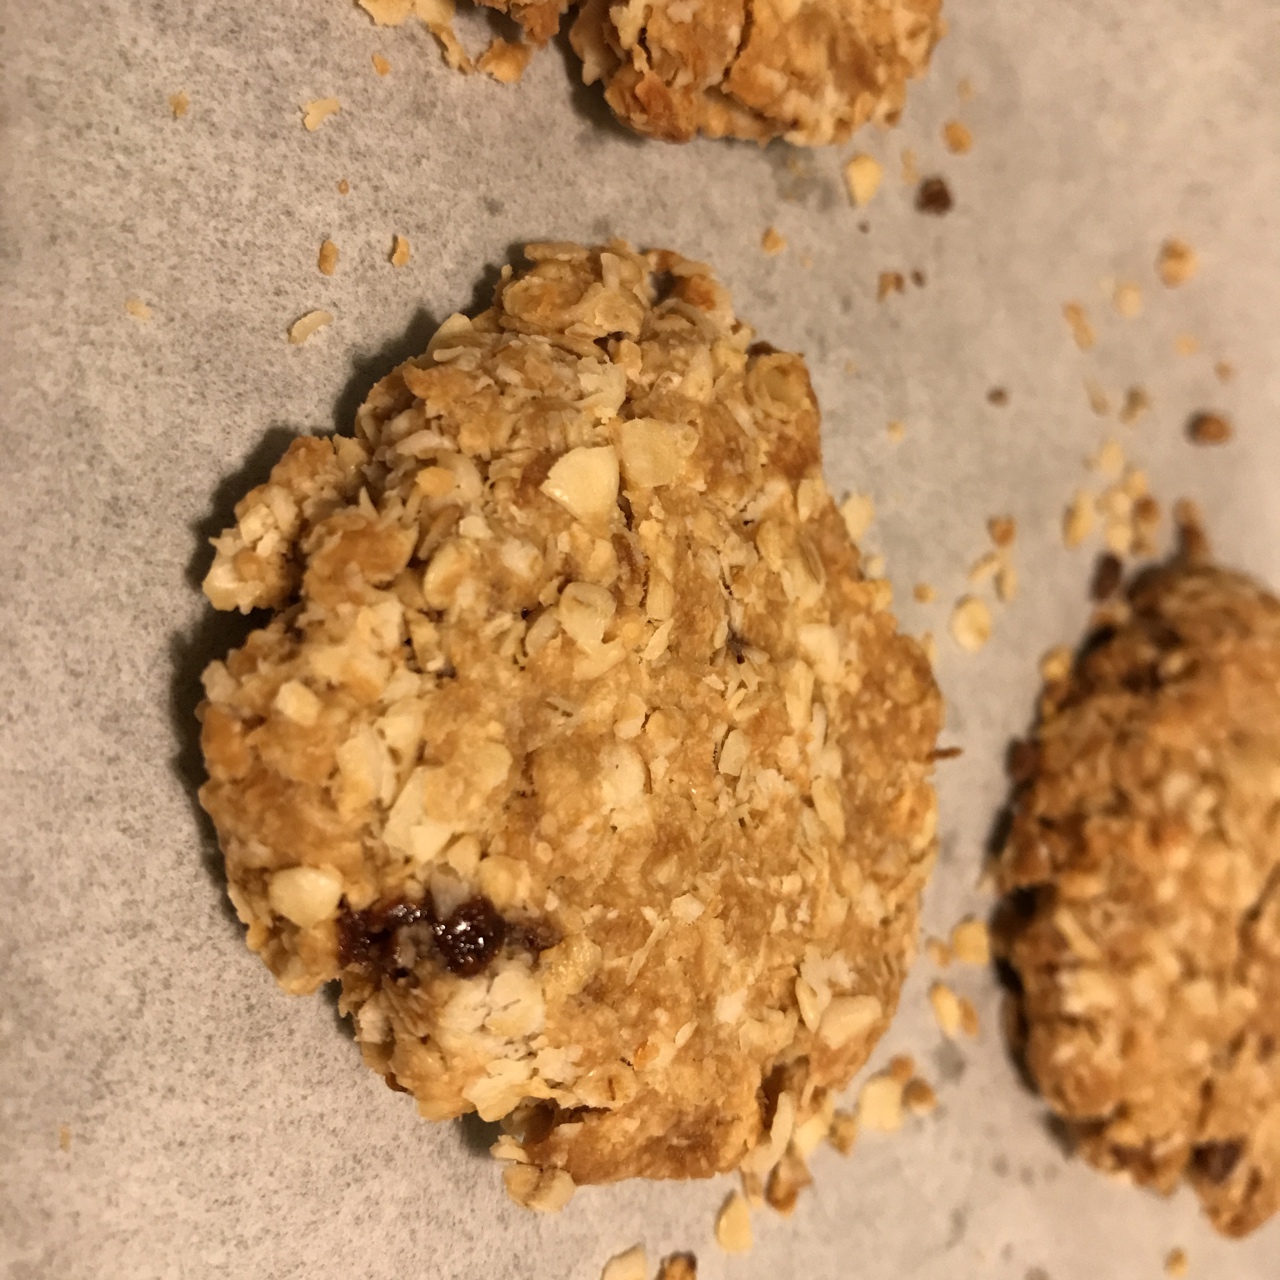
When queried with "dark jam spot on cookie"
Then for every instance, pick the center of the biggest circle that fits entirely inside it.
(470, 936)
(1217, 1161)
(367, 938)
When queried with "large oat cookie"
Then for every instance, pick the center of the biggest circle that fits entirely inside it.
(579, 749)
(1145, 863)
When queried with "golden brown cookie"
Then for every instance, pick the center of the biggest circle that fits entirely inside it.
(578, 749)
(1144, 869)
(810, 71)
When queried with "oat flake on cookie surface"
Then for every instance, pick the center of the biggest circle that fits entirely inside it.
(1144, 874)
(578, 749)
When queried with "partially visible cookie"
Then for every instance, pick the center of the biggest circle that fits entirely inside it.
(579, 749)
(1144, 872)
(810, 71)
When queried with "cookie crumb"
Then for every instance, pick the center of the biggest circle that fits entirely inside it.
(1224, 371)
(857, 511)
(984, 567)
(327, 259)
(890, 282)
(505, 60)
(923, 592)
(387, 13)
(1078, 322)
(875, 566)
(179, 104)
(1176, 263)
(1055, 665)
(969, 1022)
(1099, 401)
(938, 952)
(998, 396)
(902, 1066)
(934, 197)
(919, 1097)
(1193, 541)
(896, 431)
(1006, 582)
(788, 1178)
(137, 309)
(678, 1266)
(631, 1265)
(1136, 403)
(930, 647)
(880, 1104)
(1079, 518)
(1209, 428)
(301, 329)
(918, 278)
(971, 942)
(543, 1190)
(958, 138)
(863, 176)
(399, 251)
(946, 1009)
(1109, 460)
(843, 1134)
(344, 187)
(1106, 577)
(733, 1225)
(971, 624)
(772, 242)
(64, 1137)
(315, 113)
(1002, 530)
(381, 65)
(1128, 299)
(1175, 1263)
(1186, 344)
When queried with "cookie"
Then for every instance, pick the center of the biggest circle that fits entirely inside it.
(1143, 865)
(810, 71)
(579, 750)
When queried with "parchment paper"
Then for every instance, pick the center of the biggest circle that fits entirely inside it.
(217, 1127)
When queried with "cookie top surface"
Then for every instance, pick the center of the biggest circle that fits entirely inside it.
(579, 748)
(1144, 858)
(810, 71)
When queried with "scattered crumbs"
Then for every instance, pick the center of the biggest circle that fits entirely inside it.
(863, 176)
(327, 259)
(874, 566)
(1099, 401)
(930, 647)
(505, 60)
(923, 592)
(1224, 371)
(890, 282)
(1079, 518)
(64, 1137)
(137, 309)
(179, 104)
(314, 114)
(897, 431)
(964, 90)
(1006, 582)
(1209, 428)
(1128, 299)
(1078, 322)
(971, 942)
(919, 1097)
(631, 1265)
(843, 1134)
(969, 1022)
(399, 251)
(733, 1225)
(789, 1177)
(910, 174)
(958, 137)
(344, 187)
(933, 196)
(1055, 665)
(1109, 460)
(1175, 1263)
(938, 952)
(998, 396)
(1186, 344)
(542, 1190)
(678, 1266)
(880, 1104)
(851, 366)
(301, 329)
(1136, 403)
(772, 241)
(902, 1066)
(381, 65)
(984, 567)
(1192, 539)
(971, 624)
(1107, 576)
(946, 1009)
(858, 510)
(1002, 530)
(1176, 262)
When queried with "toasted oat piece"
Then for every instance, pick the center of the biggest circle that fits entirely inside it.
(579, 750)
(810, 71)
(1145, 872)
